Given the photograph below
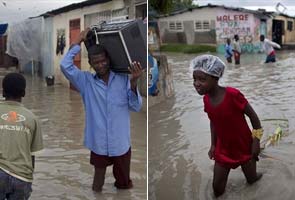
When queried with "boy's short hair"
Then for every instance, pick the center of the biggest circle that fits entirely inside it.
(97, 49)
(14, 85)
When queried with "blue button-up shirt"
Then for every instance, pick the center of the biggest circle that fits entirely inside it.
(107, 107)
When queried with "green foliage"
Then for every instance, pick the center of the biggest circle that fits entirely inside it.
(163, 6)
(168, 6)
(184, 4)
(272, 138)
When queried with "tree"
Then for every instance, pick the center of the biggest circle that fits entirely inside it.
(163, 6)
(182, 4)
(168, 6)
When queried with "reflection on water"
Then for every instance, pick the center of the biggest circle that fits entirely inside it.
(179, 135)
(62, 169)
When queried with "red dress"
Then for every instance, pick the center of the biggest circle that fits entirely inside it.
(233, 135)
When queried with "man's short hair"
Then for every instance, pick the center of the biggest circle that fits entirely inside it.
(97, 49)
(14, 85)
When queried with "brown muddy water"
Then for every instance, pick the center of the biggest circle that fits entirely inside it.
(62, 170)
(179, 134)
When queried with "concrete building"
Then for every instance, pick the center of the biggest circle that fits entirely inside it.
(5, 60)
(283, 31)
(67, 23)
(213, 24)
(64, 24)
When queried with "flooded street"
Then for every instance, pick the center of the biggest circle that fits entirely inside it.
(179, 134)
(62, 170)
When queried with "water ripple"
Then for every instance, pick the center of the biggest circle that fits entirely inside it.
(179, 136)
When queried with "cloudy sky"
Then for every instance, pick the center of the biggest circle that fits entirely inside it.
(269, 5)
(17, 10)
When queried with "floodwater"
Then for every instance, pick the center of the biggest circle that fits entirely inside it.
(62, 170)
(179, 134)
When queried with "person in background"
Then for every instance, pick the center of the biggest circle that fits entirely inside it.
(153, 75)
(228, 51)
(21, 139)
(237, 49)
(268, 47)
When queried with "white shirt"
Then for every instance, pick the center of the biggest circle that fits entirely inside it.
(237, 46)
(268, 45)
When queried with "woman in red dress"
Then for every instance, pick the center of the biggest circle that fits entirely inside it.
(232, 142)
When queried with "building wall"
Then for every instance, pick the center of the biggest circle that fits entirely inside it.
(289, 36)
(246, 25)
(62, 21)
(47, 67)
(5, 59)
(220, 24)
(269, 28)
(88, 16)
(188, 34)
(207, 36)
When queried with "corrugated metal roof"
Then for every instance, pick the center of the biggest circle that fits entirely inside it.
(73, 6)
(284, 15)
(261, 13)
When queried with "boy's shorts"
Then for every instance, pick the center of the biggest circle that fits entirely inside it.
(121, 167)
(237, 58)
(12, 188)
(270, 58)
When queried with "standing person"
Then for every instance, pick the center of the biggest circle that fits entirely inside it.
(108, 98)
(20, 137)
(228, 51)
(268, 47)
(237, 49)
(232, 142)
(153, 75)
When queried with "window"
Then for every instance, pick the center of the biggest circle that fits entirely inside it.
(103, 16)
(178, 26)
(290, 25)
(175, 26)
(206, 25)
(119, 14)
(172, 25)
(198, 25)
(202, 25)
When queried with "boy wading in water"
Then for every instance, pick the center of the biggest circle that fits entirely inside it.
(237, 49)
(268, 47)
(233, 144)
(228, 51)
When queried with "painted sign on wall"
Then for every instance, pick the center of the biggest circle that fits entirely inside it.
(230, 23)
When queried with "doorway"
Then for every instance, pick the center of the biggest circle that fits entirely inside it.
(74, 33)
(278, 27)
